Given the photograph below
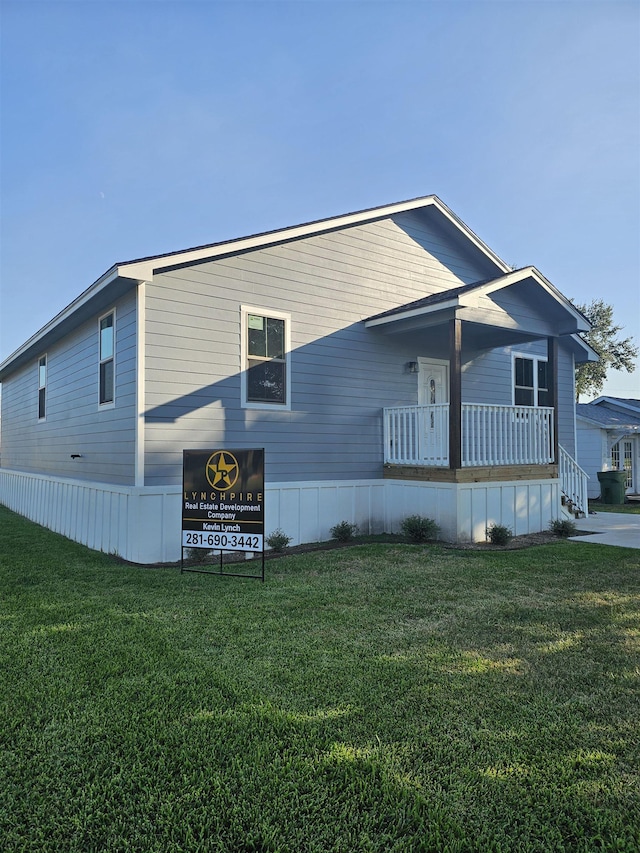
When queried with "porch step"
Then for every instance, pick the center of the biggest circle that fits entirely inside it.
(569, 509)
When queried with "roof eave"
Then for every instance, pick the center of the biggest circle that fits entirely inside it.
(144, 268)
(23, 352)
(515, 276)
(424, 311)
(615, 401)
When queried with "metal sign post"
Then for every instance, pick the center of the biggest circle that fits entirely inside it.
(223, 504)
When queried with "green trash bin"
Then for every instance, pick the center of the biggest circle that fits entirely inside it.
(612, 486)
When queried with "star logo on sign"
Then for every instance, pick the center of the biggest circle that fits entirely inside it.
(222, 470)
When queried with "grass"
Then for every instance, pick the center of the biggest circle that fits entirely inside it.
(382, 697)
(633, 507)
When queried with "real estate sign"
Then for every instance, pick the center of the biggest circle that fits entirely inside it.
(223, 499)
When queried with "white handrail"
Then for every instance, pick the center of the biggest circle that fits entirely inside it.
(573, 482)
(491, 435)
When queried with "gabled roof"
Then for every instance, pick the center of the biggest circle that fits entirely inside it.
(466, 294)
(426, 303)
(623, 402)
(127, 274)
(611, 413)
(143, 268)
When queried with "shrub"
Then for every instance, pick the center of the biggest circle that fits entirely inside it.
(498, 534)
(562, 527)
(419, 529)
(278, 540)
(344, 531)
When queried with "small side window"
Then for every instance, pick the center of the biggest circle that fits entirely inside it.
(530, 381)
(107, 366)
(42, 387)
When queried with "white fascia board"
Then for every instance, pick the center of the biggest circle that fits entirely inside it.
(144, 268)
(589, 420)
(613, 401)
(592, 355)
(104, 281)
(599, 424)
(606, 425)
(521, 275)
(413, 312)
(471, 236)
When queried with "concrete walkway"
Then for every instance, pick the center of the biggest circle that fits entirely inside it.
(610, 528)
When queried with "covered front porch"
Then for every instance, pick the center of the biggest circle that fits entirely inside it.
(498, 444)
(488, 410)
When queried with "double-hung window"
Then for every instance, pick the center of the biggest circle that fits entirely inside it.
(265, 359)
(107, 366)
(42, 387)
(530, 381)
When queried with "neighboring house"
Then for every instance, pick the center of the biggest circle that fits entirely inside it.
(389, 362)
(608, 436)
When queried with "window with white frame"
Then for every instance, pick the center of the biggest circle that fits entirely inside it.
(622, 460)
(42, 387)
(530, 381)
(265, 358)
(107, 365)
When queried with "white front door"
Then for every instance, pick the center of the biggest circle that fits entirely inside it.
(433, 394)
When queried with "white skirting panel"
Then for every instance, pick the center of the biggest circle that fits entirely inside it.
(138, 524)
(142, 524)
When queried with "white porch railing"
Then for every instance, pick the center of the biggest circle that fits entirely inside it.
(491, 435)
(417, 435)
(573, 483)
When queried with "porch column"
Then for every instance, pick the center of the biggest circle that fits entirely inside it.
(552, 369)
(455, 393)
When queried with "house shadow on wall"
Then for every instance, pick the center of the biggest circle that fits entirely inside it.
(339, 385)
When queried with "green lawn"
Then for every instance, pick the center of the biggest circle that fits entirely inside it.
(383, 697)
(633, 507)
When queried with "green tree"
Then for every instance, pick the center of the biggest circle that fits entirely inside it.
(615, 353)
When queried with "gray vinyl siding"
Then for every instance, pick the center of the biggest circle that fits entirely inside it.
(487, 377)
(591, 444)
(342, 374)
(74, 421)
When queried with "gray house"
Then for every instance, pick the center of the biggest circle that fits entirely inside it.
(388, 361)
(608, 435)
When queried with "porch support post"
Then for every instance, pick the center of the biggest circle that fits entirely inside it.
(455, 393)
(552, 368)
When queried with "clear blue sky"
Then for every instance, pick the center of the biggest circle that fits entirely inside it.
(135, 128)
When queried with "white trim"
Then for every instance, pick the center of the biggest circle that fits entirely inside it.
(104, 281)
(140, 382)
(605, 426)
(108, 404)
(145, 267)
(583, 325)
(245, 310)
(424, 310)
(44, 356)
(423, 364)
(614, 401)
(531, 357)
(469, 299)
